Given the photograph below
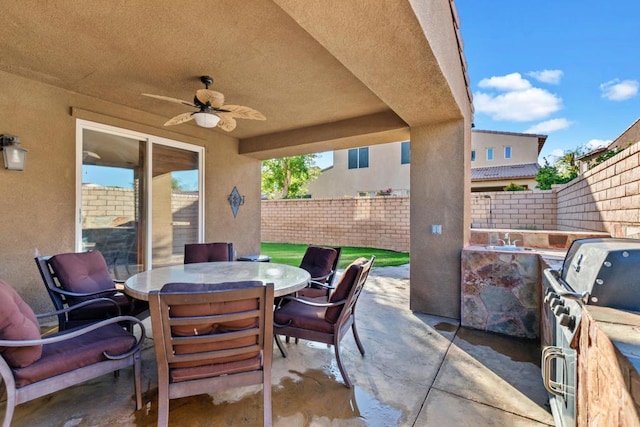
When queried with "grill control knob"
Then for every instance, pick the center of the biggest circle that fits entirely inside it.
(567, 321)
(556, 302)
(560, 309)
(549, 296)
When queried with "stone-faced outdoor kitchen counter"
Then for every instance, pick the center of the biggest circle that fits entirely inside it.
(501, 288)
(608, 366)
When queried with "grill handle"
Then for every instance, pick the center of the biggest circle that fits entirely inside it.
(549, 354)
(563, 292)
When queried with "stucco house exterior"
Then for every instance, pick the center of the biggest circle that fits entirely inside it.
(497, 159)
(72, 75)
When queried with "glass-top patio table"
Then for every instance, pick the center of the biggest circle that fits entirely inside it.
(286, 279)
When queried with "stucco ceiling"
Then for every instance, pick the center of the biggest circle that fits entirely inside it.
(302, 64)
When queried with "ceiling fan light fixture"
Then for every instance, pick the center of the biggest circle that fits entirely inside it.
(206, 120)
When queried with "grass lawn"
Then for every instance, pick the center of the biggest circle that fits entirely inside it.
(291, 254)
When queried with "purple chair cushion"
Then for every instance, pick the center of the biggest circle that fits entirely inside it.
(300, 315)
(318, 261)
(344, 286)
(17, 322)
(85, 350)
(212, 328)
(83, 272)
(206, 252)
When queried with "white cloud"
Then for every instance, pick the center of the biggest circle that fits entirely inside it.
(510, 82)
(547, 76)
(549, 126)
(616, 90)
(518, 106)
(597, 143)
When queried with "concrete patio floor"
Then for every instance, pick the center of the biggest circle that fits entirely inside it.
(419, 370)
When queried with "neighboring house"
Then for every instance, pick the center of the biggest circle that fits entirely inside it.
(630, 136)
(500, 158)
(365, 171)
(497, 159)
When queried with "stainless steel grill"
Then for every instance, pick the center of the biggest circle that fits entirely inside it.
(603, 272)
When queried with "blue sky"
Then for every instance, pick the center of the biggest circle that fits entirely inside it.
(567, 69)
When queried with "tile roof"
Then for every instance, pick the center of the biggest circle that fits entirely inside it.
(504, 172)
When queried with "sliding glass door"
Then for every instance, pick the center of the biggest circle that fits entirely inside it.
(139, 197)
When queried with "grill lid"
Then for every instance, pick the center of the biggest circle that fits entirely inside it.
(609, 269)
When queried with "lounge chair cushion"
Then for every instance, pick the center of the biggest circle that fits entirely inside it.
(83, 272)
(18, 322)
(87, 349)
(343, 288)
(299, 315)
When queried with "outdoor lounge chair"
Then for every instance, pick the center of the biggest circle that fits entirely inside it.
(72, 278)
(321, 263)
(210, 337)
(325, 322)
(33, 366)
(208, 252)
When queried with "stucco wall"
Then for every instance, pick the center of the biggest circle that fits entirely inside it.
(605, 198)
(380, 222)
(38, 204)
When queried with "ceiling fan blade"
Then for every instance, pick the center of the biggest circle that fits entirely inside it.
(215, 99)
(227, 122)
(180, 118)
(168, 98)
(242, 112)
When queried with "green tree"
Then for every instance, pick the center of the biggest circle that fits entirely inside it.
(558, 173)
(287, 177)
(514, 187)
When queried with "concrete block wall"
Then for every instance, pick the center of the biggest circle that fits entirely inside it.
(605, 198)
(380, 222)
(107, 206)
(531, 209)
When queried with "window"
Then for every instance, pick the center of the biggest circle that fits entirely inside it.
(139, 197)
(359, 158)
(507, 152)
(405, 153)
(473, 155)
(489, 153)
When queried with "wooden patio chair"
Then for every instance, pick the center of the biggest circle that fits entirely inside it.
(325, 322)
(32, 365)
(72, 278)
(208, 252)
(321, 263)
(211, 337)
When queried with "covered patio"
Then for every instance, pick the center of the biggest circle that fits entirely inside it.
(327, 75)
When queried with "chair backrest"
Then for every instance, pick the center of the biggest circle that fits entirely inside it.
(321, 263)
(349, 288)
(221, 332)
(81, 272)
(208, 252)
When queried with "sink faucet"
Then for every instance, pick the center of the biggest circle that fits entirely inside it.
(507, 241)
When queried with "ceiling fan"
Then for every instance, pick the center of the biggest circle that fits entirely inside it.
(212, 110)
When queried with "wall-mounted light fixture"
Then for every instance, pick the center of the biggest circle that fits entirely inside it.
(14, 156)
(235, 200)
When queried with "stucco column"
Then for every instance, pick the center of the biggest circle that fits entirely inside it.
(440, 185)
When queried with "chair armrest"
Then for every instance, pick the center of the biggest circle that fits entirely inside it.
(80, 305)
(315, 304)
(82, 294)
(326, 276)
(321, 285)
(64, 336)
